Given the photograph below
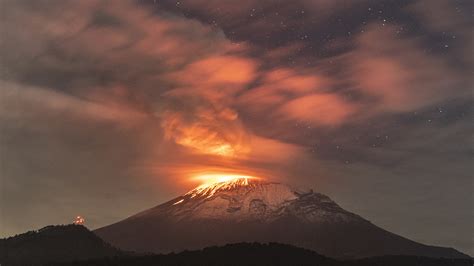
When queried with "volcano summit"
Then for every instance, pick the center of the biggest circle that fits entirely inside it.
(253, 210)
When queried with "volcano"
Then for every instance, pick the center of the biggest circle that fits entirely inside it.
(253, 210)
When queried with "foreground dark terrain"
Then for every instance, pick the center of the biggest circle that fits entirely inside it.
(54, 244)
(76, 245)
(256, 254)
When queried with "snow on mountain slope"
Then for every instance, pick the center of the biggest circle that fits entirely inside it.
(249, 199)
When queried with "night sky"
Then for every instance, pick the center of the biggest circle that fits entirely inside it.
(108, 108)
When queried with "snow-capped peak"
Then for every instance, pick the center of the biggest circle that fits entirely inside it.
(208, 190)
(244, 199)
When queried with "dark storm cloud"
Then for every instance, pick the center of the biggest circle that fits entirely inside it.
(106, 101)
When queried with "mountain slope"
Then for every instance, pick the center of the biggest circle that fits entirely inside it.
(247, 210)
(54, 244)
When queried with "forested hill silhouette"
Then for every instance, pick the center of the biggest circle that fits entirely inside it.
(256, 254)
(58, 243)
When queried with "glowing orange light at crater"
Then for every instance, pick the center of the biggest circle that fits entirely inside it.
(209, 179)
(211, 183)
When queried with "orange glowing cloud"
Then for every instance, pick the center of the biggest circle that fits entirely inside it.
(200, 116)
(289, 81)
(281, 85)
(320, 109)
(269, 150)
(214, 78)
(221, 70)
(206, 132)
(264, 158)
(290, 95)
(399, 73)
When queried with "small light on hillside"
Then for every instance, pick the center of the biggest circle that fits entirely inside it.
(79, 220)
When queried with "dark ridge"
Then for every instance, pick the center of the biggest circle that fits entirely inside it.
(256, 254)
(55, 243)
